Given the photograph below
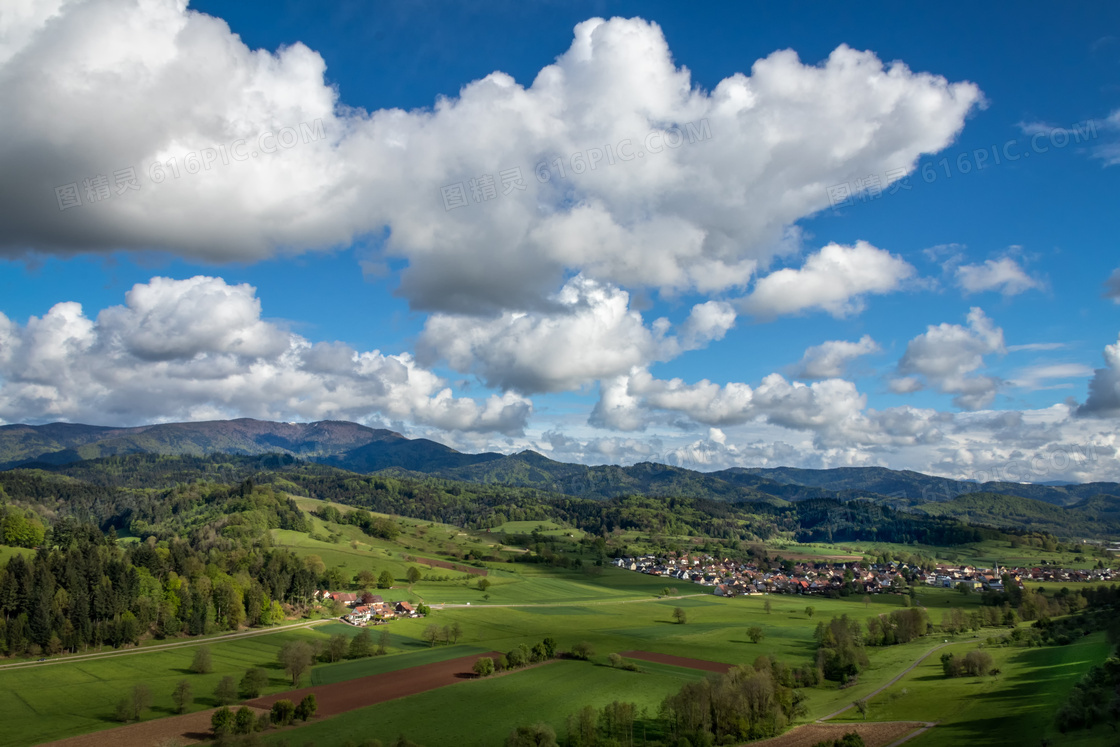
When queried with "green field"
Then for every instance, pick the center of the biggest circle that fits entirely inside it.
(53, 701)
(483, 712)
(1014, 707)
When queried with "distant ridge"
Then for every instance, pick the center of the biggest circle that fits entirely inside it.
(358, 448)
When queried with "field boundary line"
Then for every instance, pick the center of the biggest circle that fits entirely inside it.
(163, 646)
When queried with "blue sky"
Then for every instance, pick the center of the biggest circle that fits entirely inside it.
(845, 273)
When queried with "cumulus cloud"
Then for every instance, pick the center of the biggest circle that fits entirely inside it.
(832, 412)
(95, 87)
(834, 279)
(1104, 388)
(198, 349)
(1003, 275)
(588, 333)
(829, 360)
(947, 356)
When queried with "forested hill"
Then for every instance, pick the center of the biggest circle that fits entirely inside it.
(357, 448)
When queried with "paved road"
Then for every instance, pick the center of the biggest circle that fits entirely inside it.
(163, 646)
(902, 674)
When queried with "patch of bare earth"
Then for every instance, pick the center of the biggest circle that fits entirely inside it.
(333, 699)
(192, 728)
(679, 661)
(873, 734)
(341, 697)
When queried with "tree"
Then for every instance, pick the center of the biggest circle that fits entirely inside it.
(433, 634)
(253, 683)
(413, 574)
(756, 634)
(385, 580)
(141, 699)
(282, 712)
(582, 650)
(202, 663)
(181, 696)
(383, 642)
(361, 645)
(767, 606)
(484, 667)
(537, 735)
(365, 578)
(680, 615)
(861, 706)
(307, 707)
(456, 632)
(226, 691)
(337, 647)
(809, 612)
(615, 660)
(243, 721)
(221, 721)
(483, 584)
(866, 600)
(296, 658)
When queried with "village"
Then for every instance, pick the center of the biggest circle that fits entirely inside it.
(729, 578)
(366, 608)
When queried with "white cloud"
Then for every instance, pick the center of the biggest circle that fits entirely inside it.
(588, 333)
(834, 279)
(107, 85)
(198, 349)
(829, 360)
(948, 355)
(1041, 376)
(1003, 275)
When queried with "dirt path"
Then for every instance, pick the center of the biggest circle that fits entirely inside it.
(66, 659)
(902, 674)
(679, 661)
(340, 697)
(911, 735)
(874, 734)
(592, 603)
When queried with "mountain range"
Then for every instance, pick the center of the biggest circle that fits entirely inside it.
(358, 448)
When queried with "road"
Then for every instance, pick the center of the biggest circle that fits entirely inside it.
(163, 646)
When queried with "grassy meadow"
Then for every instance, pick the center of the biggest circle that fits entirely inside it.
(1014, 707)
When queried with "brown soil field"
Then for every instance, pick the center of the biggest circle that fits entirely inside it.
(874, 735)
(341, 697)
(192, 728)
(679, 661)
(452, 566)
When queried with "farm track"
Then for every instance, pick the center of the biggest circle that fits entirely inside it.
(163, 646)
(902, 674)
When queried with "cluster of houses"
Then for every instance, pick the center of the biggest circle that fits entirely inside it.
(731, 578)
(370, 608)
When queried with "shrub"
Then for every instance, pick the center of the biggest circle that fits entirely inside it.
(307, 707)
(221, 721)
(282, 712)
